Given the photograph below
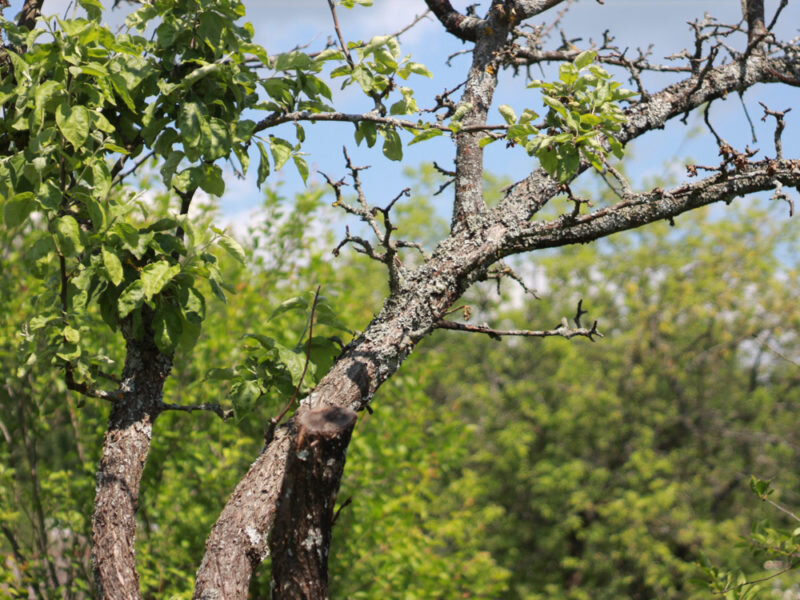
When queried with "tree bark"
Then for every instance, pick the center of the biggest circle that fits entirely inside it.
(125, 449)
(301, 534)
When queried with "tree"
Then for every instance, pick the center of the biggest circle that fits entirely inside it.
(85, 109)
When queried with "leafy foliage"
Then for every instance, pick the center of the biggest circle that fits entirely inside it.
(583, 116)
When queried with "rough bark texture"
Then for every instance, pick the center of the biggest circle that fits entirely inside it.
(478, 93)
(125, 449)
(301, 534)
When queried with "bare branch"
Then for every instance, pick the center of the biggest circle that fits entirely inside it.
(562, 331)
(207, 406)
(531, 8)
(656, 205)
(779, 126)
(342, 45)
(464, 27)
(31, 11)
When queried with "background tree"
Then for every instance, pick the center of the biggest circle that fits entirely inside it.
(85, 109)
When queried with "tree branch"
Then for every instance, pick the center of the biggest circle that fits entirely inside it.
(563, 330)
(31, 10)
(655, 205)
(206, 406)
(304, 115)
(464, 27)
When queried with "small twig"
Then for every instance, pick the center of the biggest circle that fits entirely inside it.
(362, 246)
(504, 271)
(707, 121)
(783, 4)
(186, 201)
(341, 507)
(563, 331)
(275, 421)
(576, 209)
(759, 580)
(137, 164)
(785, 511)
(207, 406)
(416, 20)
(749, 120)
(779, 127)
(579, 313)
(338, 30)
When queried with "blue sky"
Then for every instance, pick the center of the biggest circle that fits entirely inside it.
(282, 25)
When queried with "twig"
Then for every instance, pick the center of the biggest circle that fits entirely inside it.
(562, 331)
(338, 30)
(785, 511)
(759, 580)
(186, 201)
(416, 20)
(206, 406)
(779, 126)
(339, 510)
(278, 118)
(275, 421)
(137, 164)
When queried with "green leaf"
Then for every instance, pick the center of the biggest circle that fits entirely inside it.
(71, 335)
(462, 110)
(217, 289)
(17, 209)
(191, 118)
(760, 487)
(266, 342)
(232, 247)
(616, 147)
(167, 327)
(392, 145)
(212, 181)
(93, 8)
(68, 236)
(220, 374)
(131, 298)
(244, 395)
(163, 224)
(73, 122)
(121, 87)
(508, 113)
(367, 130)
(44, 93)
(584, 59)
(113, 266)
(156, 275)
(555, 105)
(419, 69)
(170, 165)
(425, 134)
(292, 60)
(302, 166)
(281, 151)
(263, 164)
(217, 143)
(296, 303)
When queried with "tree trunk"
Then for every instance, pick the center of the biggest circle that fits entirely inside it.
(301, 534)
(125, 448)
